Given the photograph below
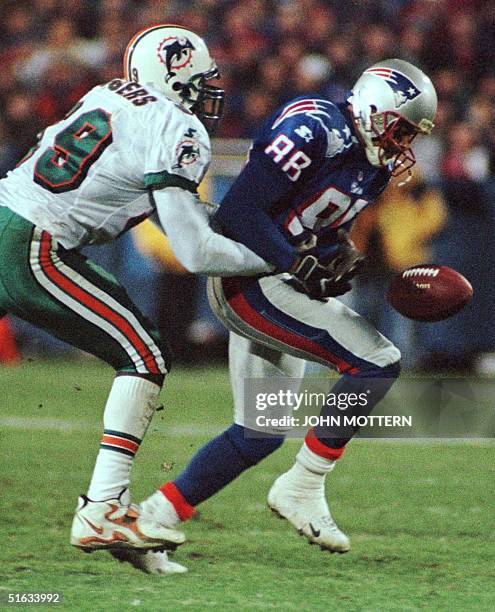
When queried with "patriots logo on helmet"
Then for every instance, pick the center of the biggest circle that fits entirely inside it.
(176, 53)
(404, 89)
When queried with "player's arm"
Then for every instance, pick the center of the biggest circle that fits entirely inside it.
(280, 159)
(283, 157)
(243, 213)
(176, 159)
(198, 248)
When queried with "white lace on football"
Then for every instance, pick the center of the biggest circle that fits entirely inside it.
(420, 272)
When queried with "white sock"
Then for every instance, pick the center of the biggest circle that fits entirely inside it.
(128, 413)
(159, 509)
(309, 471)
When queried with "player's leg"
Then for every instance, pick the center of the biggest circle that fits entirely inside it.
(305, 496)
(271, 312)
(237, 448)
(65, 294)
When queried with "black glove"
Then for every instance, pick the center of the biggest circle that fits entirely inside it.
(313, 280)
(345, 262)
(331, 278)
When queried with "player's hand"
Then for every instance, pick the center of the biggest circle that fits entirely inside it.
(346, 261)
(329, 278)
(313, 279)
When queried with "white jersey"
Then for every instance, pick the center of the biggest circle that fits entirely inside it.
(89, 177)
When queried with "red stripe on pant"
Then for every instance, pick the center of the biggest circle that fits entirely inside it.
(252, 317)
(99, 308)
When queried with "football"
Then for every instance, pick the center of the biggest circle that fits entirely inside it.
(429, 293)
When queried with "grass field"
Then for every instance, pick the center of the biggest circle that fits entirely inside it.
(421, 517)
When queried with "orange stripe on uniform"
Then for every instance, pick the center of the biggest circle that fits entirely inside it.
(120, 442)
(134, 39)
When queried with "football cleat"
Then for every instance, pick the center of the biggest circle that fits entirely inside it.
(113, 524)
(148, 561)
(158, 509)
(309, 514)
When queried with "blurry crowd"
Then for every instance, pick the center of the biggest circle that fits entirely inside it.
(268, 51)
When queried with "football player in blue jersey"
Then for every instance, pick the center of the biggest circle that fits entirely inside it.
(313, 167)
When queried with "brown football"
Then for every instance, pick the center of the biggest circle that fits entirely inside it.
(429, 293)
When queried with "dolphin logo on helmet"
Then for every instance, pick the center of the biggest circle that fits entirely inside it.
(176, 62)
(176, 53)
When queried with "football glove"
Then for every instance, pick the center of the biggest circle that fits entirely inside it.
(330, 277)
(346, 261)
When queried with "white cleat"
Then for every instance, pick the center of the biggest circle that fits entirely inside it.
(113, 524)
(149, 562)
(309, 513)
(159, 509)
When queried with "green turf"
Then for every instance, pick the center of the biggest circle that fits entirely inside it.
(421, 517)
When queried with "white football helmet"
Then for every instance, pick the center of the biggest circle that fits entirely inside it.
(392, 102)
(177, 62)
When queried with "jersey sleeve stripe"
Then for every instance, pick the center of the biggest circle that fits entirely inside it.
(160, 180)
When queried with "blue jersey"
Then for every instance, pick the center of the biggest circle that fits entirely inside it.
(307, 175)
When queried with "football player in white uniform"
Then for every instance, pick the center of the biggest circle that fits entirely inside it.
(130, 148)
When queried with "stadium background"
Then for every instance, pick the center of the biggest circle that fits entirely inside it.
(268, 51)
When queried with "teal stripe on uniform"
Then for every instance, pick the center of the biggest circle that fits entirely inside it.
(160, 180)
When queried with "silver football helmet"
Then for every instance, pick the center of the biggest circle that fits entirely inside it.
(392, 102)
(177, 62)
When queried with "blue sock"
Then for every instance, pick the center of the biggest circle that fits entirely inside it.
(221, 460)
(374, 383)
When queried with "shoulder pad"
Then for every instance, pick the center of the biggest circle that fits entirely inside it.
(178, 150)
(301, 107)
(307, 117)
